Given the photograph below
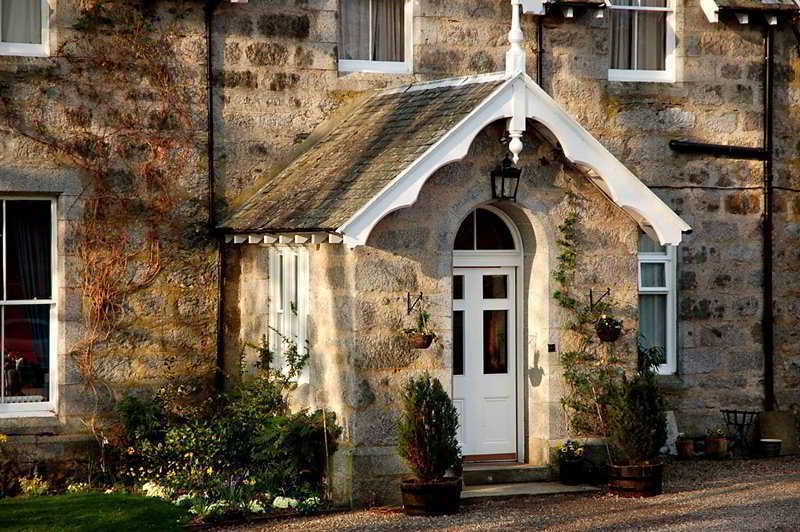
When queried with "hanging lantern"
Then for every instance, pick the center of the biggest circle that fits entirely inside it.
(505, 180)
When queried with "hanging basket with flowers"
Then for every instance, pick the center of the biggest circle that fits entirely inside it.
(608, 328)
(421, 336)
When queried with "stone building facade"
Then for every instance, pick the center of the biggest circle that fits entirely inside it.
(279, 87)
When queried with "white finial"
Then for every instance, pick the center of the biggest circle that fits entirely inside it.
(515, 56)
(515, 145)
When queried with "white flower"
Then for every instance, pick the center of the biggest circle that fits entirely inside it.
(151, 489)
(285, 502)
(255, 507)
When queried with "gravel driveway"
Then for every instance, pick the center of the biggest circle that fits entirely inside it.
(699, 496)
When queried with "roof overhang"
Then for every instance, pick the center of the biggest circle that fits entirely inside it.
(743, 10)
(518, 99)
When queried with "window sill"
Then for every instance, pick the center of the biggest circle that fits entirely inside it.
(378, 67)
(645, 76)
(44, 410)
(24, 50)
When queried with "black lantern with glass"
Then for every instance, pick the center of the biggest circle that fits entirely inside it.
(505, 178)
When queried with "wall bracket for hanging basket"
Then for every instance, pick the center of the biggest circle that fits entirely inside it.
(417, 301)
(592, 302)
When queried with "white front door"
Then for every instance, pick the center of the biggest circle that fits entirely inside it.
(484, 362)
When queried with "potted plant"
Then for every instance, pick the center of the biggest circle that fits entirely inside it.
(685, 447)
(421, 336)
(716, 443)
(427, 440)
(570, 460)
(637, 430)
(608, 328)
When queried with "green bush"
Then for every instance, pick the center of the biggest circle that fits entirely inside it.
(292, 450)
(636, 419)
(229, 451)
(427, 431)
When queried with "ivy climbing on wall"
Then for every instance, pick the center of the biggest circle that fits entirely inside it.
(589, 367)
(117, 104)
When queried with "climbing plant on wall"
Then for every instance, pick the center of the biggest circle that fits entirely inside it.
(589, 366)
(117, 101)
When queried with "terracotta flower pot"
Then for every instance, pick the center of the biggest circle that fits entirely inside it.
(419, 340)
(685, 449)
(431, 498)
(717, 448)
(643, 480)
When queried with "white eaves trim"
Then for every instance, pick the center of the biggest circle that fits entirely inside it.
(519, 98)
(283, 238)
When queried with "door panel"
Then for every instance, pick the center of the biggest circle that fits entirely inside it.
(484, 351)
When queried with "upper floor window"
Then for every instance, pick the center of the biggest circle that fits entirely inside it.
(657, 294)
(642, 40)
(24, 27)
(375, 36)
(27, 307)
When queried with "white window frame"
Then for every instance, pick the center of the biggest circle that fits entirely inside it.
(669, 259)
(293, 285)
(44, 408)
(387, 67)
(26, 49)
(663, 76)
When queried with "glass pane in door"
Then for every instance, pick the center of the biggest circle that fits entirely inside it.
(458, 287)
(495, 286)
(495, 341)
(458, 342)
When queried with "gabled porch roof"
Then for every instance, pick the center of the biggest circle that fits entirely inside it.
(378, 158)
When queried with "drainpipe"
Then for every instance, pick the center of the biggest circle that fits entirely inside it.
(768, 318)
(219, 375)
(539, 51)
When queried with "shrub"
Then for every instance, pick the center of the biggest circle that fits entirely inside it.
(292, 450)
(636, 419)
(427, 431)
(224, 455)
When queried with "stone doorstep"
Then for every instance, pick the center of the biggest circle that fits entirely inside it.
(521, 489)
(488, 473)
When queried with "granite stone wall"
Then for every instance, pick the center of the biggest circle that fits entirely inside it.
(167, 330)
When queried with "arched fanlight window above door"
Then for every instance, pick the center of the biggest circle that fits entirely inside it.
(483, 230)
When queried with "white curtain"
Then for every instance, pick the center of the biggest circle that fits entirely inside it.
(354, 29)
(622, 25)
(383, 19)
(387, 20)
(652, 27)
(653, 320)
(638, 38)
(21, 21)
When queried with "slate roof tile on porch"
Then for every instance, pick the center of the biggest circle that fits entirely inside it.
(326, 185)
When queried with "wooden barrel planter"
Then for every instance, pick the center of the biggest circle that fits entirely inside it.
(431, 498)
(571, 472)
(636, 480)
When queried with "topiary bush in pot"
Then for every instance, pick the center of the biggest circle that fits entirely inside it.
(637, 429)
(427, 440)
